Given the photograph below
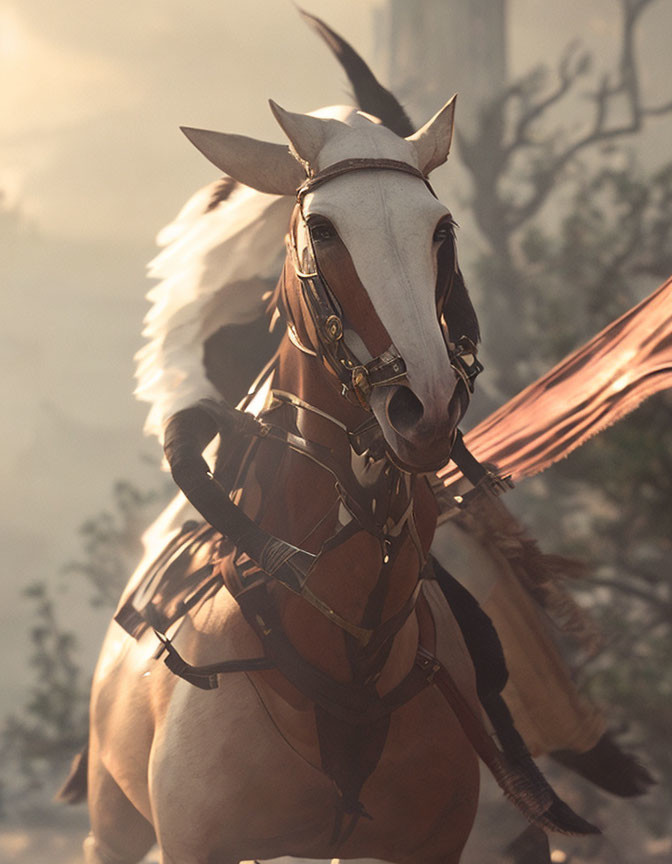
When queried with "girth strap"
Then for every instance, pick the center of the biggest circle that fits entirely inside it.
(205, 677)
(360, 705)
(356, 704)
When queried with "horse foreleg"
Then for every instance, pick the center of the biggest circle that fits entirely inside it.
(165, 858)
(95, 854)
(119, 832)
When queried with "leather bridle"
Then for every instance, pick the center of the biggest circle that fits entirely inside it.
(357, 377)
(188, 432)
(356, 704)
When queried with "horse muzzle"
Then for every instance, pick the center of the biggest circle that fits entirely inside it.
(419, 437)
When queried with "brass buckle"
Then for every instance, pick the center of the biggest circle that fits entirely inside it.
(361, 385)
(498, 483)
(465, 362)
(428, 663)
(333, 328)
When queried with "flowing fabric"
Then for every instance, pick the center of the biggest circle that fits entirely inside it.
(592, 388)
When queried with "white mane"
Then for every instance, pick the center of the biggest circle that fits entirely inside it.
(214, 270)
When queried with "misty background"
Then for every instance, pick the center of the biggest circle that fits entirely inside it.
(92, 165)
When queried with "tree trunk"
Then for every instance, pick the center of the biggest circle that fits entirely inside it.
(425, 51)
(429, 49)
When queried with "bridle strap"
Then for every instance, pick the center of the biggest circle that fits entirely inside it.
(347, 166)
(356, 377)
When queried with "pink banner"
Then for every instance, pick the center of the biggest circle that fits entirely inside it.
(589, 390)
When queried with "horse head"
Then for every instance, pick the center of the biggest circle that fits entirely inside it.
(374, 286)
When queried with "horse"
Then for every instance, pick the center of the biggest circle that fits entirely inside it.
(318, 695)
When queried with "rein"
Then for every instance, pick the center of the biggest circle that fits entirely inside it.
(188, 432)
(351, 719)
(356, 704)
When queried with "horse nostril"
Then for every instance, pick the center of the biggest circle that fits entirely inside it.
(404, 410)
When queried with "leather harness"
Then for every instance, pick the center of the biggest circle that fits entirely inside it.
(356, 704)
(276, 558)
(282, 561)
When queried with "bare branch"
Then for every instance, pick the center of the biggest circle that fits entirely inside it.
(623, 587)
(568, 74)
(665, 108)
(625, 83)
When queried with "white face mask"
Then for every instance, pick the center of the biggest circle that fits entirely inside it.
(387, 222)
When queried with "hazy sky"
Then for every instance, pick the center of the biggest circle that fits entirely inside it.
(93, 93)
(96, 92)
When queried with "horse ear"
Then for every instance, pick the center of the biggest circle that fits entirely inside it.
(266, 167)
(432, 142)
(307, 134)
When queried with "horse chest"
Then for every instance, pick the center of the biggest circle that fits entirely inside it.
(309, 502)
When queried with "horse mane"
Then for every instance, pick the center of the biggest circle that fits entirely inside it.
(221, 256)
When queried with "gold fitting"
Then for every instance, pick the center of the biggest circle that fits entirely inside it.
(334, 328)
(360, 383)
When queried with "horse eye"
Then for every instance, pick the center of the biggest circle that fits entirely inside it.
(442, 232)
(322, 231)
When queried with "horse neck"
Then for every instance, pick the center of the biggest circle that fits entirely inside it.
(305, 376)
(350, 578)
(299, 371)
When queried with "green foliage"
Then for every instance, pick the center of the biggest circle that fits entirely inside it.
(576, 234)
(38, 739)
(614, 245)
